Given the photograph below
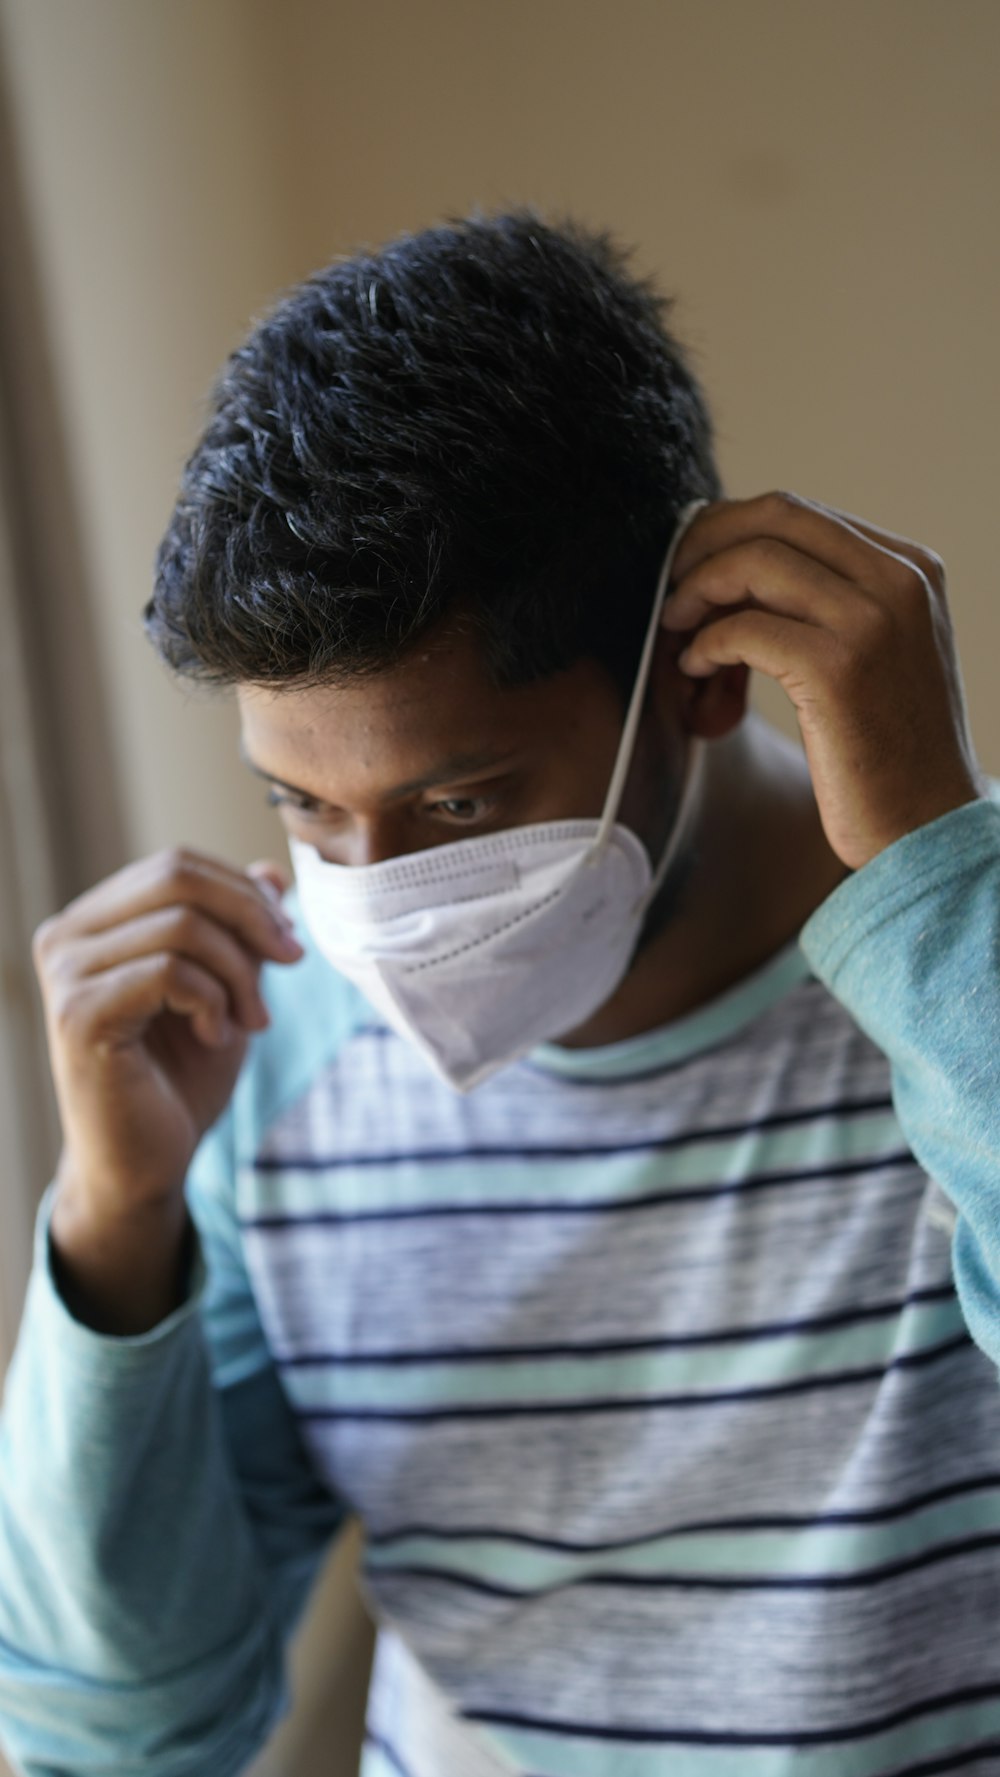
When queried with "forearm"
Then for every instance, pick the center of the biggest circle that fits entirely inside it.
(124, 1275)
(911, 946)
(133, 1607)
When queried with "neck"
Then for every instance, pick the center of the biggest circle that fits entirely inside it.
(758, 863)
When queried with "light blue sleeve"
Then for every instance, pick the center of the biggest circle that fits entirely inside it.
(160, 1525)
(911, 946)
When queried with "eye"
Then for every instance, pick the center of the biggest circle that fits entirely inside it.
(285, 799)
(464, 811)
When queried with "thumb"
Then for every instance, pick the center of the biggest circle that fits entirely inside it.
(273, 878)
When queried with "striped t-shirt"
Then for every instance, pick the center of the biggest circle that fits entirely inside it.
(643, 1366)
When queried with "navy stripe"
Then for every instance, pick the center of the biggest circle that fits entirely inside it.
(700, 1582)
(973, 1694)
(720, 1132)
(641, 1403)
(951, 1761)
(381, 1745)
(916, 1502)
(595, 1206)
(959, 1761)
(460, 1354)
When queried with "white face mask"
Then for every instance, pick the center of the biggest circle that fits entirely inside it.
(479, 950)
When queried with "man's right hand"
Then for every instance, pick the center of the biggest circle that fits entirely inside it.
(150, 987)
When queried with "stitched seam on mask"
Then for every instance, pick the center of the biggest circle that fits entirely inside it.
(434, 961)
(416, 874)
(453, 901)
(416, 879)
(370, 903)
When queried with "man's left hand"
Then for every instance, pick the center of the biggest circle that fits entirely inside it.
(853, 622)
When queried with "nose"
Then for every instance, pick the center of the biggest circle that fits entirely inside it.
(372, 841)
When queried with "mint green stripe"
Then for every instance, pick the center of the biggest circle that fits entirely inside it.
(375, 1764)
(735, 1364)
(684, 1037)
(552, 1755)
(822, 1549)
(352, 1190)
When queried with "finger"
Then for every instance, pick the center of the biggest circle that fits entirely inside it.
(115, 1008)
(185, 877)
(274, 881)
(926, 561)
(763, 572)
(815, 530)
(185, 932)
(792, 653)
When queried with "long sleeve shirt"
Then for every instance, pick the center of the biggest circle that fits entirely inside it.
(662, 1377)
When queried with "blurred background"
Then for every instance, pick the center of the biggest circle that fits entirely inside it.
(815, 184)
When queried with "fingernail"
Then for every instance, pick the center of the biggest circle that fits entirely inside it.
(273, 895)
(287, 939)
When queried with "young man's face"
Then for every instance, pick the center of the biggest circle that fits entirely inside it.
(431, 751)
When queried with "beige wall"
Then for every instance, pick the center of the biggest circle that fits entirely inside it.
(816, 183)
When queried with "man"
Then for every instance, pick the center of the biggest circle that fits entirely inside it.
(582, 1200)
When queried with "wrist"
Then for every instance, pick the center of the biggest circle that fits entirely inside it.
(119, 1270)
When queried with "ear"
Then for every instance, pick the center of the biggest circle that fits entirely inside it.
(709, 708)
(715, 706)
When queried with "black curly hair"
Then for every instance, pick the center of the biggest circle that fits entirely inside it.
(488, 416)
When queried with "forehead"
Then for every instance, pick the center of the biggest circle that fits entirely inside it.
(438, 704)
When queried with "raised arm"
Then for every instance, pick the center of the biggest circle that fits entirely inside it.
(160, 1525)
(911, 945)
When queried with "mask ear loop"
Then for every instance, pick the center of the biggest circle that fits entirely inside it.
(627, 743)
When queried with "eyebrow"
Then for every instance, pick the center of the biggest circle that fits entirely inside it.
(448, 771)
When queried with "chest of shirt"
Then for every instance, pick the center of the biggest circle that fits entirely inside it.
(573, 1302)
